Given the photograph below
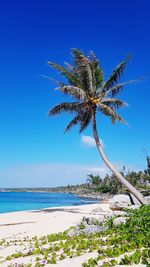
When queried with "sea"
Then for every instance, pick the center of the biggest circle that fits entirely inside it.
(22, 201)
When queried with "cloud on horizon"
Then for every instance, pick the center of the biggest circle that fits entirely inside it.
(48, 174)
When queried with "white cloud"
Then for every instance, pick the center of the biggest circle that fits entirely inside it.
(89, 141)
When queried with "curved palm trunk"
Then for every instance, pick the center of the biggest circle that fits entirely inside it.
(118, 175)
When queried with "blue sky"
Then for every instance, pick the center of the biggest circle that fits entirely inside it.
(33, 149)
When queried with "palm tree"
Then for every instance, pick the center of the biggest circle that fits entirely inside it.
(85, 83)
(94, 180)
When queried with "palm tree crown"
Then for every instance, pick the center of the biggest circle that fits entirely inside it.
(86, 84)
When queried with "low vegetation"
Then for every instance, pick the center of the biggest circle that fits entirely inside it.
(126, 244)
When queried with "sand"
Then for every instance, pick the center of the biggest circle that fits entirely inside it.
(18, 225)
(46, 221)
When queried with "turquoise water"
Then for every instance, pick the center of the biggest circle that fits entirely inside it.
(19, 201)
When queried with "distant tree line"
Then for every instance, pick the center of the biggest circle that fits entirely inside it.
(109, 184)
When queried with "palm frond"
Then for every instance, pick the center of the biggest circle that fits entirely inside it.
(117, 88)
(84, 121)
(83, 70)
(65, 107)
(115, 75)
(113, 102)
(97, 72)
(76, 92)
(59, 83)
(72, 123)
(110, 112)
(69, 67)
(72, 79)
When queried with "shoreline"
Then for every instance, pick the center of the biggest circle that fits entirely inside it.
(49, 209)
(19, 227)
(89, 198)
(45, 221)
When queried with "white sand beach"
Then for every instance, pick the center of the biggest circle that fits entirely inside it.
(45, 221)
(27, 224)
